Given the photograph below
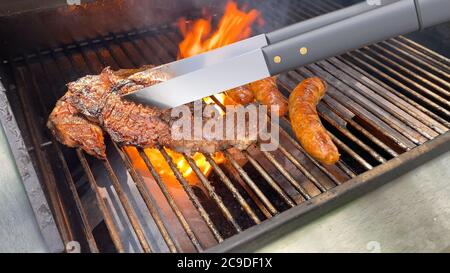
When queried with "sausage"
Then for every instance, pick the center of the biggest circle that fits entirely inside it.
(241, 95)
(266, 92)
(306, 123)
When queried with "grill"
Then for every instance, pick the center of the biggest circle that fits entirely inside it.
(387, 104)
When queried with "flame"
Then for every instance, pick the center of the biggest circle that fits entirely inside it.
(235, 25)
(163, 169)
(198, 38)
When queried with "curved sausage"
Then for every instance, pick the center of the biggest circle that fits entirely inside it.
(241, 95)
(306, 123)
(266, 92)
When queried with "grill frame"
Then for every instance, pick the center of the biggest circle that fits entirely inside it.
(320, 204)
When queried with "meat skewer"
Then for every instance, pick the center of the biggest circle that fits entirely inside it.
(306, 123)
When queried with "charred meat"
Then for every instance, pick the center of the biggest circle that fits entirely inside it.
(95, 102)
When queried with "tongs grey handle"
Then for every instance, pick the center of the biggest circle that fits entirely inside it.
(353, 28)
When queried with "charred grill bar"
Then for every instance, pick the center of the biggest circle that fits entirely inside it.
(384, 100)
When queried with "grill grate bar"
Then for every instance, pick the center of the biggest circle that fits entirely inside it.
(404, 78)
(84, 219)
(317, 164)
(192, 195)
(403, 102)
(212, 193)
(426, 53)
(417, 56)
(128, 208)
(414, 67)
(253, 197)
(146, 196)
(350, 151)
(322, 108)
(403, 116)
(225, 180)
(171, 201)
(402, 86)
(252, 184)
(107, 217)
(286, 174)
(333, 103)
(274, 184)
(297, 164)
(86, 226)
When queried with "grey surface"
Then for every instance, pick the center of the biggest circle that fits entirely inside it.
(408, 214)
(345, 35)
(19, 231)
(433, 12)
(24, 213)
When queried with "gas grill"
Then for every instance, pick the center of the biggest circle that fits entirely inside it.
(387, 109)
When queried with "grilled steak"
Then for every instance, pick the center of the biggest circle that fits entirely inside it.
(73, 130)
(95, 101)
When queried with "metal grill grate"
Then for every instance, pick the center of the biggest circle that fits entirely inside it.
(383, 100)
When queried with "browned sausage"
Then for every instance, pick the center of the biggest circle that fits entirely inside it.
(241, 95)
(267, 93)
(306, 122)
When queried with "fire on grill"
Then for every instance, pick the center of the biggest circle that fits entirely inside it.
(93, 103)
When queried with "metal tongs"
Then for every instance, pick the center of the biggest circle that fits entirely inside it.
(285, 49)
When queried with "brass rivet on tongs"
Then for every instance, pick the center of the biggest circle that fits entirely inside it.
(303, 50)
(277, 59)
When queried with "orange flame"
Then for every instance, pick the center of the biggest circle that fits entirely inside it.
(163, 169)
(233, 26)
